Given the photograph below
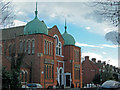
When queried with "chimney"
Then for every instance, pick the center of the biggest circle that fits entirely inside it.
(111, 66)
(94, 60)
(99, 61)
(108, 65)
(104, 62)
(86, 57)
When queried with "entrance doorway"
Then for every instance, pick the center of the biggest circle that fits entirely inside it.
(60, 77)
(68, 80)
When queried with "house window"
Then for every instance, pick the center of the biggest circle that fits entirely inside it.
(77, 73)
(21, 47)
(29, 46)
(76, 56)
(33, 46)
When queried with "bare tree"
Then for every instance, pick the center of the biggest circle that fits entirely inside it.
(6, 14)
(108, 9)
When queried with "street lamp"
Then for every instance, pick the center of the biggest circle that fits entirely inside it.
(100, 70)
(44, 77)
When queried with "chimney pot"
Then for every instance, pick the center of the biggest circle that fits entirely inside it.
(86, 57)
(94, 59)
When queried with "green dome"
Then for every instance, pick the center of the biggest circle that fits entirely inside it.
(35, 26)
(68, 39)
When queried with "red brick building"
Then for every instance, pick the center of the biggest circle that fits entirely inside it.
(49, 56)
(90, 69)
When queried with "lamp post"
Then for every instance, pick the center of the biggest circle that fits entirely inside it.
(100, 70)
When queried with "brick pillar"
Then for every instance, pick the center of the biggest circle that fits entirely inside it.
(55, 64)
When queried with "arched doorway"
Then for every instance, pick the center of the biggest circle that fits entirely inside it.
(60, 76)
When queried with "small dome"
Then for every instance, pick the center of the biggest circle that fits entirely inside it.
(68, 39)
(35, 26)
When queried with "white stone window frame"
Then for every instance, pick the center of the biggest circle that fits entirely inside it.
(60, 48)
(22, 75)
(57, 46)
(26, 75)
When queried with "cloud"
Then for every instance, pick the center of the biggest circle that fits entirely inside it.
(87, 28)
(19, 23)
(86, 45)
(110, 46)
(104, 53)
(76, 12)
(96, 46)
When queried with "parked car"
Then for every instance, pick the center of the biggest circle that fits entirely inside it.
(111, 84)
(34, 86)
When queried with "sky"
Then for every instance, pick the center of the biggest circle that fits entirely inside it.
(83, 23)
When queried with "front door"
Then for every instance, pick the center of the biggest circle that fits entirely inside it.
(67, 80)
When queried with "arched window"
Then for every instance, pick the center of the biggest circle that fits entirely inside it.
(33, 46)
(47, 71)
(22, 75)
(21, 47)
(13, 48)
(25, 45)
(45, 47)
(26, 76)
(10, 50)
(52, 72)
(49, 48)
(0, 49)
(58, 46)
(29, 46)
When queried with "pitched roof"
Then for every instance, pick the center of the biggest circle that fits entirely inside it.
(11, 33)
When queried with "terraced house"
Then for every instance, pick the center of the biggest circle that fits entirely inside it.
(51, 58)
